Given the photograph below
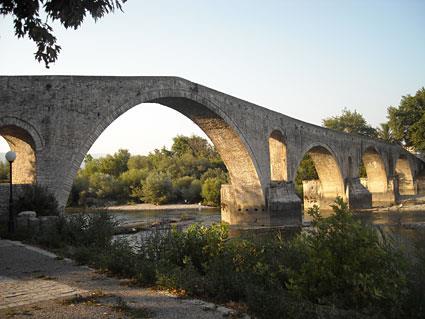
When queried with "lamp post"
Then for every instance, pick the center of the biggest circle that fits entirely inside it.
(11, 156)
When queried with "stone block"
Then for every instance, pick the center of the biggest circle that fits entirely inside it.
(358, 195)
(27, 214)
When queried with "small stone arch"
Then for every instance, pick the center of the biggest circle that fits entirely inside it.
(403, 170)
(377, 182)
(25, 141)
(277, 156)
(330, 184)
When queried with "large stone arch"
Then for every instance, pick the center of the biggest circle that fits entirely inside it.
(245, 193)
(330, 185)
(25, 141)
(403, 170)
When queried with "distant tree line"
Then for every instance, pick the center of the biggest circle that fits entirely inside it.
(191, 172)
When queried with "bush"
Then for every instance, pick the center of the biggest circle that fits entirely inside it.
(187, 189)
(39, 199)
(348, 265)
(211, 191)
(337, 269)
(414, 306)
(157, 189)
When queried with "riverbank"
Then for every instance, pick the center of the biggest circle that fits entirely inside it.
(147, 206)
(413, 203)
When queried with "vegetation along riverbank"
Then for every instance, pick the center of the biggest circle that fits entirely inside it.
(338, 268)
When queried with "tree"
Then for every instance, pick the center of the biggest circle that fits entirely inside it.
(194, 145)
(306, 172)
(211, 191)
(350, 122)
(187, 189)
(31, 18)
(115, 164)
(407, 121)
(384, 133)
(157, 189)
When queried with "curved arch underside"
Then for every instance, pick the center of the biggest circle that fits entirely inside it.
(377, 181)
(243, 175)
(20, 141)
(403, 170)
(332, 183)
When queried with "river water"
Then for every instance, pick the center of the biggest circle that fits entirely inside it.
(407, 227)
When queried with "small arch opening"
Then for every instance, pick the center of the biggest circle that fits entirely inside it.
(21, 142)
(277, 152)
(319, 180)
(404, 175)
(372, 171)
(4, 165)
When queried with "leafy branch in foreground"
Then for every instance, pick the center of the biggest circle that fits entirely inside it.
(71, 14)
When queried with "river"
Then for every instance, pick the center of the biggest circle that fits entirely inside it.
(404, 226)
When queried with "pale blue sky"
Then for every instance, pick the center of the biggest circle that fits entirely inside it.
(306, 59)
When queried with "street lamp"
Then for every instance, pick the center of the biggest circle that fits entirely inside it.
(11, 156)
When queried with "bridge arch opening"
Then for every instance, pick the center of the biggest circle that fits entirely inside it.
(321, 178)
(243, 193)
(21, 142)
(372, 170)
(277, 153)
(404, 174)
(373, 175)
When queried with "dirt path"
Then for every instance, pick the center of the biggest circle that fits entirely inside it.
(35, 283)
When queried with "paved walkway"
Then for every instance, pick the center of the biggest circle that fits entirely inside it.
(35, 283)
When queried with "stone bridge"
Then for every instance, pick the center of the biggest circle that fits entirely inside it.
(52, 121)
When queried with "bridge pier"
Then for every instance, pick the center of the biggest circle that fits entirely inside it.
(358, 196)
(241, 207)
(283, 204)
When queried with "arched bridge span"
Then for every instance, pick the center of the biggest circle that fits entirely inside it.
(52, 121)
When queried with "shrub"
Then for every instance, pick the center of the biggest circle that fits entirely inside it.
(187, 189)
(39, 199)
(414, 306)
(211, 191)
(157, 189)
(347, 265)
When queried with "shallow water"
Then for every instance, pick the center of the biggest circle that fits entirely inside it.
(392, 222)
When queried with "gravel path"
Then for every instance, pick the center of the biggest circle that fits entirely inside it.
(36, 284)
